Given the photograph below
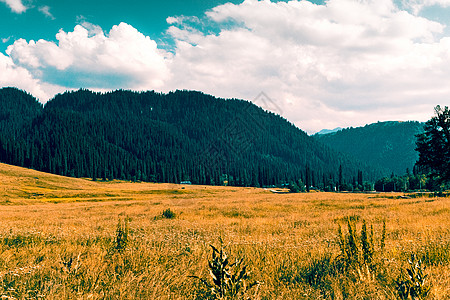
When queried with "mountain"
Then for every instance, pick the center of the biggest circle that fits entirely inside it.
(327, 131)
(390, 145)
(17, 109)
(149, 136)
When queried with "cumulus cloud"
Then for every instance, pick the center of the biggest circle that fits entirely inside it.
(329, 65)
(87, 57)
(12, 75)
(15, 5)
(344, 63)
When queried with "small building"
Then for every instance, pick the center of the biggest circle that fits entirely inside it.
(186, 182)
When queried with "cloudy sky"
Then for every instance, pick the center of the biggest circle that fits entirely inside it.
(322, 64)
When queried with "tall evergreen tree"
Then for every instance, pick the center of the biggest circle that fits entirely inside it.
(308, 178)
(434, 145)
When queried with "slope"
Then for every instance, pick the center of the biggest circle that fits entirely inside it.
(20, 186)
(390, 145)
(21, 183)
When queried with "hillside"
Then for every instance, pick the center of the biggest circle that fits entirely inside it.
(20, 186)
(390, 145)
(172, 137)
(21, 183)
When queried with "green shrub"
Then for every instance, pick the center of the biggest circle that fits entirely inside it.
(168, 214)
(293, 187)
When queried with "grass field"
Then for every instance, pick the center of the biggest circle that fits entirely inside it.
(58, 240)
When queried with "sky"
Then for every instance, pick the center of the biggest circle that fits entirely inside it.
(319, 64)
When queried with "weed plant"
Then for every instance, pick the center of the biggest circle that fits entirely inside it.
(122, 232)
(359, 253)
(228, 280)
(414, 284)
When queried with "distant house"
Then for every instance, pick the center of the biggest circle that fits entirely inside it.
(186, 182)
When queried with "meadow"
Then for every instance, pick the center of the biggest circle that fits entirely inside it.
(66, 238)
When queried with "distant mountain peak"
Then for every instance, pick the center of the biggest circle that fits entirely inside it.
(327, 131)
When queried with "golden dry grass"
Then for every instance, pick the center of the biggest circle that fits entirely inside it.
(57, 233)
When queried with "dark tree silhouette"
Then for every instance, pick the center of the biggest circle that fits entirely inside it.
(434, 145)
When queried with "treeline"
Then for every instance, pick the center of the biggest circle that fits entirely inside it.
(332, 184)
(174, 137)
(417, 181)
(393, 183)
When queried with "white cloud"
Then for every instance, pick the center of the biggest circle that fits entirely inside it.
(345, 63)
(46, 11)
(418, 5)
(173, 20)
(12, 75)
(15, 5)
(86, 57)
(5, 40)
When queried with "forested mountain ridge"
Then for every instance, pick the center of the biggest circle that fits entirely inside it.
(172, 137)
(388, 144)
(15, 114)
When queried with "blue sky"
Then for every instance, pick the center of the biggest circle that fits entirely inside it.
(323, 64)
(149, 17)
